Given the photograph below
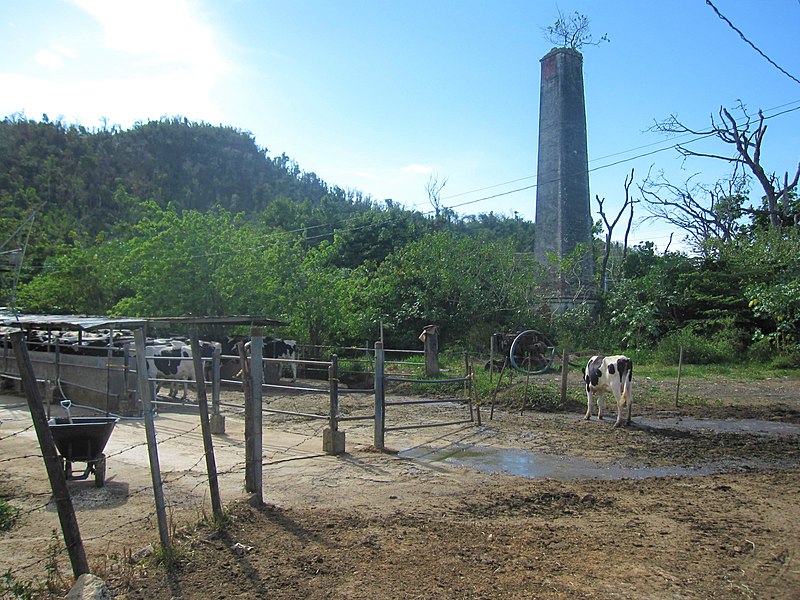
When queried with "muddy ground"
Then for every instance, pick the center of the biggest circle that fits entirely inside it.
(699, 501)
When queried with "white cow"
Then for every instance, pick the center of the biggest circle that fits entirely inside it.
(609, 374)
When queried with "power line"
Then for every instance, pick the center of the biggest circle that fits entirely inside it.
(751, 44)
(672, 146)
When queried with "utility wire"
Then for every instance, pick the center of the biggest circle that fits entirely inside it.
(672, 146)
(751, 44)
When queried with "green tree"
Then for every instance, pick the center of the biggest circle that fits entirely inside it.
(172, 264)
(320, 299)
(454, 281)
(81, 279)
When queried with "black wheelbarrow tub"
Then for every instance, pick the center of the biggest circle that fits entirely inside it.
(83, 439)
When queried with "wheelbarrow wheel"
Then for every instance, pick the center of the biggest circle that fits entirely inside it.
(100, 471)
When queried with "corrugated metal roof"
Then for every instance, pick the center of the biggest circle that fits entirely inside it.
(88, 323)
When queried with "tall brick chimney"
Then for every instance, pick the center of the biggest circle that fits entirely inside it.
(563, 212)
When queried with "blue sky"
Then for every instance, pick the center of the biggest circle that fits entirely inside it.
(379, 96)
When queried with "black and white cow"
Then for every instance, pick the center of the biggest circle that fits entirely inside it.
(609, 374)
(280, 349)
(285, 349)
(172, 359)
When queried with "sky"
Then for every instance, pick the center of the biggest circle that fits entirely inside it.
(381, 96)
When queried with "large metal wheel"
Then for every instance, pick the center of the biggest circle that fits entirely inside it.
(531, 353)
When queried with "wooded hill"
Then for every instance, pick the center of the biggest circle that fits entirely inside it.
(173, 217)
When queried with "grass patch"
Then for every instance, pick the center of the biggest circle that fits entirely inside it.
(8, 515)
(654, 382)
(743, 371)
(11, 587)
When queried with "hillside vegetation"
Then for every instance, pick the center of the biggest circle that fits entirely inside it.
(179, 218)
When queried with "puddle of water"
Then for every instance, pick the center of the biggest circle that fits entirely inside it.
(537, 465)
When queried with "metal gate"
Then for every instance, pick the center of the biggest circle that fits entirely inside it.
(382, 403)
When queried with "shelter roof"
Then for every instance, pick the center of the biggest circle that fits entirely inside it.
(88, 323)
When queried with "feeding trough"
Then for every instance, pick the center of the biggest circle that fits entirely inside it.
(82, 439)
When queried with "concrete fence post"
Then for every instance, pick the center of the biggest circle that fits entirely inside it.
(217, 419)
(333, 439)
(247, 388)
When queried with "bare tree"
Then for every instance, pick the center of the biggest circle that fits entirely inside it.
(705, 213)
(628, 182)
(669, 243)
(747, 137)
(610, 225)
(434, 189)
(571, 32)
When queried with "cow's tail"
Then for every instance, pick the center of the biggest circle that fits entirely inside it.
(626, 375)
(627, 388)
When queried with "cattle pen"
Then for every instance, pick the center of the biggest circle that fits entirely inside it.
(92, 362)
(38, 366)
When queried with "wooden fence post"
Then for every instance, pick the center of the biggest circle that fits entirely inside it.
(430, 340)
(527, 385)
(256, 425)
(146, 391)
(564, 373)
(205, 425)
(491, 358)
(680, 368)
(55, 472)
(497, 387)
(333, 440)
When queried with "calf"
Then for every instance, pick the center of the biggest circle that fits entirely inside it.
(609, 374)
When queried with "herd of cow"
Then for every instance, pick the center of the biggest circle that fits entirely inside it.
(169, 360)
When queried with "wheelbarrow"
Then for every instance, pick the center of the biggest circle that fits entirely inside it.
(82, 439)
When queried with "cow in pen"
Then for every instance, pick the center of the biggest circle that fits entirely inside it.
(279, 349)
(172, 360)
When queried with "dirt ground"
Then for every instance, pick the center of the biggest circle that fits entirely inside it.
(702, 501)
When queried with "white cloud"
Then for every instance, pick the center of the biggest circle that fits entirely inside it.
(150, 59)
(416, 168)
(159, 34)
(65, 51)
(120, 101)
(53, 57)
(49, 59)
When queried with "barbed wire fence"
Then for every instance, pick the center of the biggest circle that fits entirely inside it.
(298, 413)
(183, 486)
